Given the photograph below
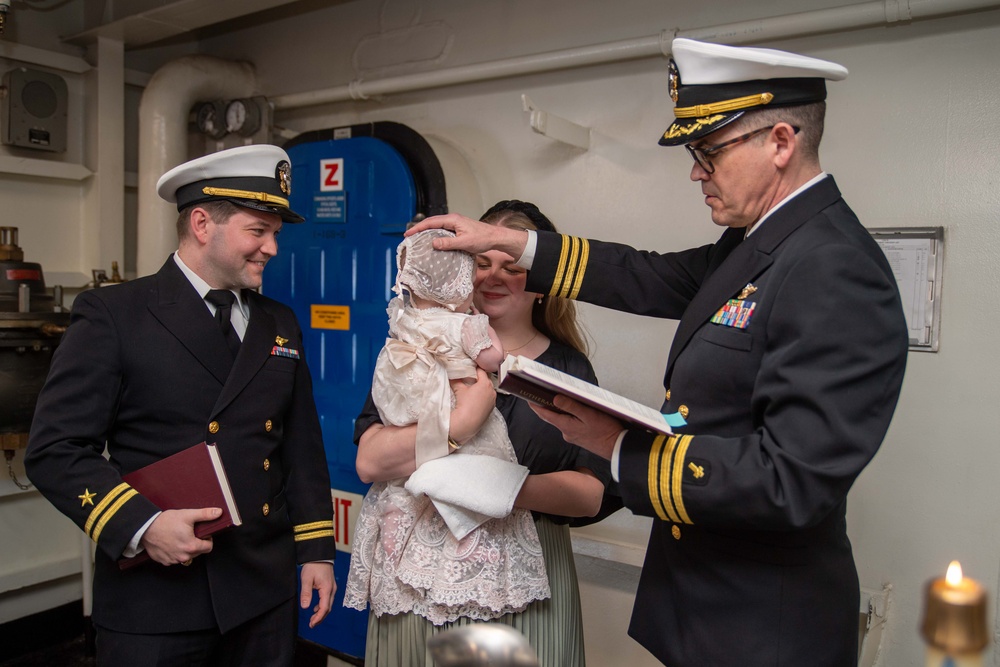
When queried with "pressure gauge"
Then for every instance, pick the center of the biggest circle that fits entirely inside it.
(210, 119)
(243, 117)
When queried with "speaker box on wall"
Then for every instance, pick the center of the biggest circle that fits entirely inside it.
(34, 110)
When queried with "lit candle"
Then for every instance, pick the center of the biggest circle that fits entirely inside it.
(954, 624)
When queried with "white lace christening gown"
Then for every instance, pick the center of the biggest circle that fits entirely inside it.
(405, 559)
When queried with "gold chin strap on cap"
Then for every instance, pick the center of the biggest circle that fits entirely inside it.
(736, 104)
(245, 194)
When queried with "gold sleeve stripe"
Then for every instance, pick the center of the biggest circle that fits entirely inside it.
(659, 483)
(581, 268)
(303, 527)
(678, 476)
(654, 465)
(571, 267)
(663, 474)
(560, 267)
(314, 535)
(111, 512)
(103, 505)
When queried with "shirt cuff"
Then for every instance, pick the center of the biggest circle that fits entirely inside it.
(134, 548)
(527, 257)
(614, 455)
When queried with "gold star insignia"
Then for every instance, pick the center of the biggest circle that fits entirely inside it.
(87, 498)
(747, 291)
(280, 341)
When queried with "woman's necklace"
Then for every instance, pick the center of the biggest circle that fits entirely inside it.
(524, 344)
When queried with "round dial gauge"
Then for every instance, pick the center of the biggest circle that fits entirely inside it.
(242, 117)
(210, 121)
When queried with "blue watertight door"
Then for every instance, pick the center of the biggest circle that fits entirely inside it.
(336, 270)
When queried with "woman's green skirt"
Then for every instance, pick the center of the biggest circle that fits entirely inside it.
(554, 627)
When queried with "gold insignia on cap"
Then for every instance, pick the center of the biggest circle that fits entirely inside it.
(676, 130)
(760, 99)
(284, 174)
(245, 194)
(696, 470)
(747, 291)
(280, 341)
(87, 498)
(673, 80)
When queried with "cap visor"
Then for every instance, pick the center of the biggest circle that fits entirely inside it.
(287, 214)
(687, 130)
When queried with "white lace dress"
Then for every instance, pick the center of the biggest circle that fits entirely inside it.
(405, 559)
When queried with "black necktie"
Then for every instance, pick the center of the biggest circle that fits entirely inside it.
(223, 301)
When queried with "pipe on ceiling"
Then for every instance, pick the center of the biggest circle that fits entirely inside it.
(175, 87)
(835, 19)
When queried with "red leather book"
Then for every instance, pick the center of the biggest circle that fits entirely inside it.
(190, 479)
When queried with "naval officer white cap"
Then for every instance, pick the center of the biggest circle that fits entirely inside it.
(257, 177)
(714, 84)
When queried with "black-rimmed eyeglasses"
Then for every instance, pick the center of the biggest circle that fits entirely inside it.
(703, 154)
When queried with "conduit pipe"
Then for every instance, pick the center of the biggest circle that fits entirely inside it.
(836, 19)
(643, 47)
(163, 140)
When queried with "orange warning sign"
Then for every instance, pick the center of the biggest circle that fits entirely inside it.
(331, 317)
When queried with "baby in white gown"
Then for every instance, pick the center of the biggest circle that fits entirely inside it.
(445, 542)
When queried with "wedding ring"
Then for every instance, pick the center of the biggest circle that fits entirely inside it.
(187, 562)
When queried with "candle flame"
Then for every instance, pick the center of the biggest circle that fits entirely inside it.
(954, 574)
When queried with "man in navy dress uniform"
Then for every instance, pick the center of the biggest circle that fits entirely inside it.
(153, 366)
(786, 365)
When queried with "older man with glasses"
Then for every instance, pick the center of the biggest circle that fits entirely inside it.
(787, 365)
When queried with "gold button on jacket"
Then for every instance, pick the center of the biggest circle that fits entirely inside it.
(267, 464)
(266, 509)
(268, 426)
(684, 411)
(675, 530)
(213, 427)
